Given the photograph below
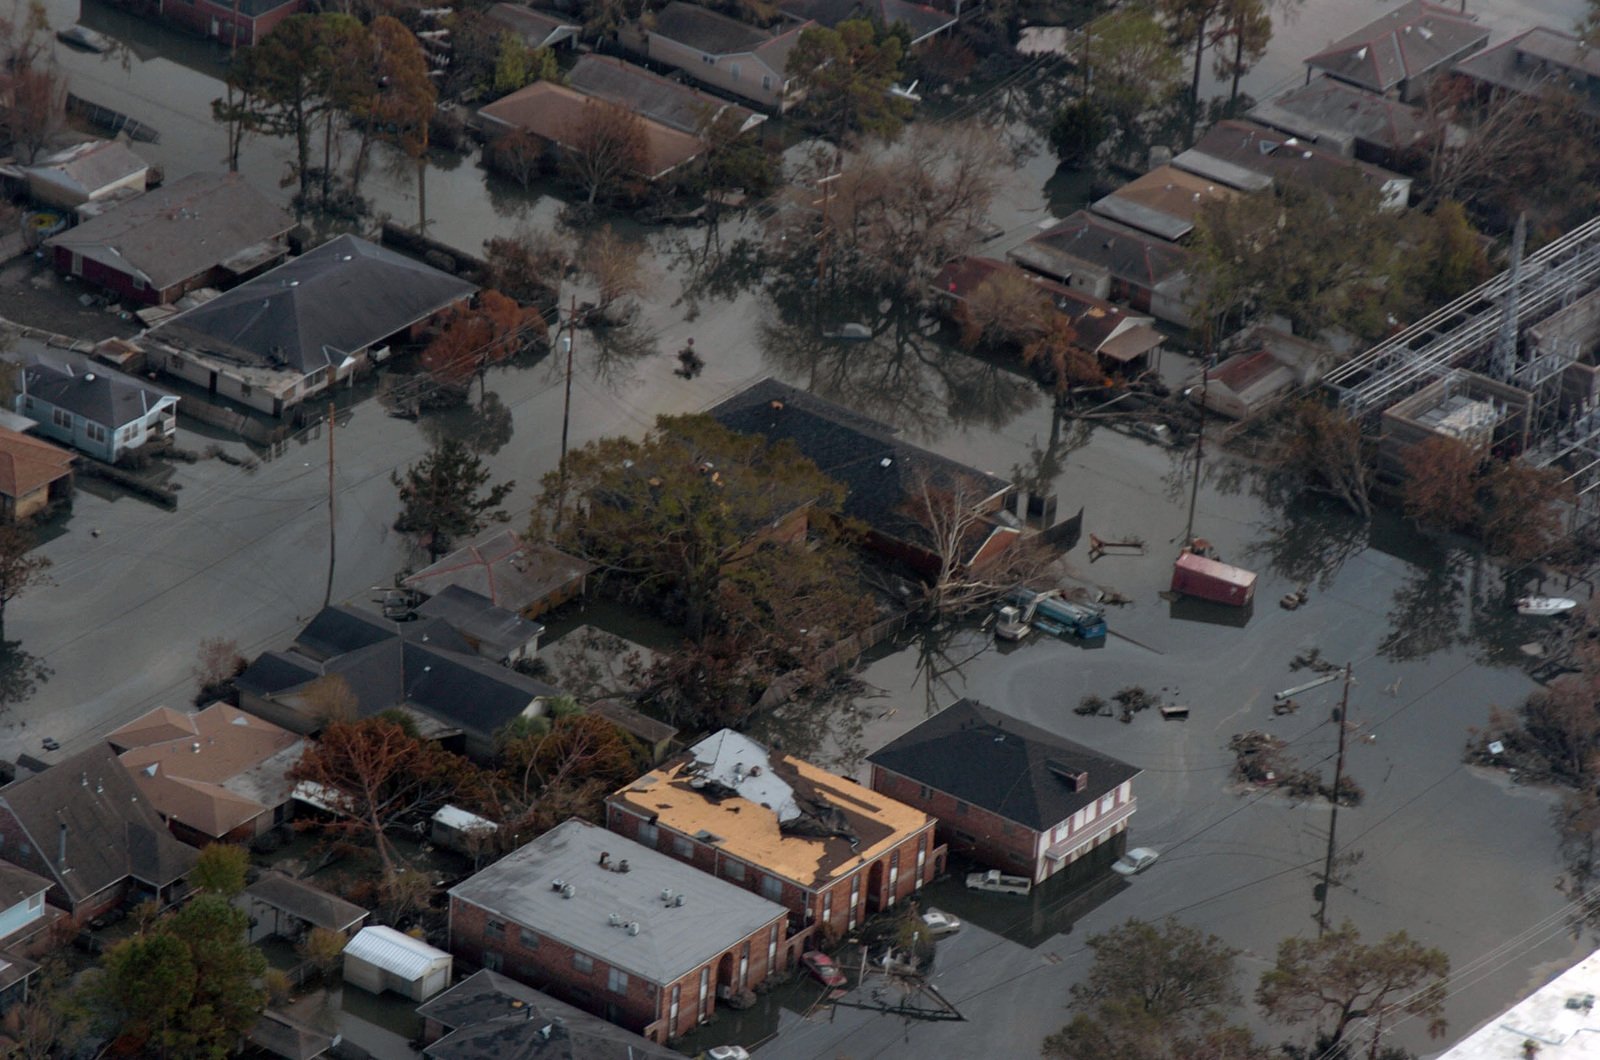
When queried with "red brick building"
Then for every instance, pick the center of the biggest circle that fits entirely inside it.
(616, 929)
(243, 22)
(1007, 793)
(824, 847)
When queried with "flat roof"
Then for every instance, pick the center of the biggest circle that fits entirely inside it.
(1558, 1016)
(525, 888)
(774, 811)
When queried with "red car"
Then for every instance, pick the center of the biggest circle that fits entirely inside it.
(822, 968)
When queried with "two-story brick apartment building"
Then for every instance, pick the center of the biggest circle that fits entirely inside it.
(617, 929)
(1008, 793)
(824, 847)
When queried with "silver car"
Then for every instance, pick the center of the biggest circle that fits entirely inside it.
(1134, 861)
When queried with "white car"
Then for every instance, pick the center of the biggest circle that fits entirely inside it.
(940, 923)
(1134, 861)
(727, 1052)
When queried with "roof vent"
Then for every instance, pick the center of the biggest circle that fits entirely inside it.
(615, 920)
(622, 866)
(195, 747)
(568, 891)
(88, 377)
(666, 894)
(776, 405)
(677, 901)
(556, 885)
(886, 461)
(632, 928)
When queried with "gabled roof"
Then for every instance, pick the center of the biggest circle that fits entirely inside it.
(652, 96)
(316, 310)
(180, 230)
(920, 20)
(304, 902)
(1233, 147)
(774, 811)
(283, 1035)
(1537, 58)
(513, 573)
(89, 167)
(425, 666)
(1404, 42)
(1083, 240)
(556, 113)
(98, 394)
(883, 475)
(538, 29)
(491, 1017)
(28, 464)
(1008, 767)
(1164, 202)
(715, 34)
(18, 884)
(671, 940)
(1342, 115)
(495, 631)
(228, 769)
(109, 830)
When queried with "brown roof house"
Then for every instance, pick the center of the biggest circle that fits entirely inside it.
(1108, 260)
(1349, 121)
(617, 929)
(1008, 793)
(724, 53)
(1400, 50)
(1165, 202)
(517, 575)
(557, 116)
(203, 230)
(84, 825)
(1537, 59)
(215, 775)
(1119, 338)
(33, 475)
(1269, 367)
(825, 848)
(658, 98)
(1252, 158)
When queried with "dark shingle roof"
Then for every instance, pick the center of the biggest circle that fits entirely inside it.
(496, 631)
(1402, 43)
(994, 761)
(1274, 155)
(695, 27)
(652, 96)
(314, 310)
(304, 902)
(921, 20)
(92, 391)
(1103, 244)
(180, 230)
(882, 475)
(111, 833)
(495, 1018)
(1343, 115)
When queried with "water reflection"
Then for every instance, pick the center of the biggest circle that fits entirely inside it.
(485, 426)
(905, 374)
(21, 673)
(1309, 542)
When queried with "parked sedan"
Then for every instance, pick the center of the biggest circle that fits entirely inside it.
(1134, 861)
(822, 969)
(727, 1052)
(940, 923)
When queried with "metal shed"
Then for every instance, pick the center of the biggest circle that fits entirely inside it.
(381, 958)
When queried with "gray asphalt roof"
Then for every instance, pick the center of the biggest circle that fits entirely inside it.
(1342, 114)
(305, 902)
(652, 96)
(1399, 44)
(496, 1018)
(314, 310)
(695, 27)
(672, 940)
(179, 230)
(93, 391)
(497, 631)
(1009, 767)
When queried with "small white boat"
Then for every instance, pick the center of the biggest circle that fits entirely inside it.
(80, 36)
(1545, 605)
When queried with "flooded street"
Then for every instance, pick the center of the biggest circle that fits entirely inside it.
(1458, 856)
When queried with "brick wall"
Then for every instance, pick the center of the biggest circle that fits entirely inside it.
(828, 907)
(990, 839)
(546, 963)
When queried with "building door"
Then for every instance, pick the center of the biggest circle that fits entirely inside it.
(705, 993)
(894, 879)
(855, 900)
(211, 387)
(672, 1011)
(875, 887)
(922, 860)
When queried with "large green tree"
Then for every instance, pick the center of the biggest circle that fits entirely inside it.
(1245, 30)
(1133, 73)
(447, 495)
(845, 74)
(145, 987)
(1155, 992)
(1343, 987)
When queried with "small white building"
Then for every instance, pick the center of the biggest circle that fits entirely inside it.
(456, 829)
(381, 958)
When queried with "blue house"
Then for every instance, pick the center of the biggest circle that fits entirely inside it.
(94, 409)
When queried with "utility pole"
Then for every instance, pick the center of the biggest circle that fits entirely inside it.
(1199, 451)
(1333, 819)
(327, 594)
(566, 413)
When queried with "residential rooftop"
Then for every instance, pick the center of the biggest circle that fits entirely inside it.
(1404, 42)
(1559, 1016)
(774, 811)
(658, 98)
(528, 887)
(97, 393)
(1165, 202)
(1340, 116)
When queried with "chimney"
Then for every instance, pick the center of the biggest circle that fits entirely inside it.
(605, 859)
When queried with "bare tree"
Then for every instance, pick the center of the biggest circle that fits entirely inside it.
(617, 268)
(606, 149)
(958, 531)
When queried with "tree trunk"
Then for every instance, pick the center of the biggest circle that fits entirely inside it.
(1194, 87)
(1238, 59)
(327, 155)
(422, 195)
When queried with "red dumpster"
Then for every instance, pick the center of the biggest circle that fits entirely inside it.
(1210, 580)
